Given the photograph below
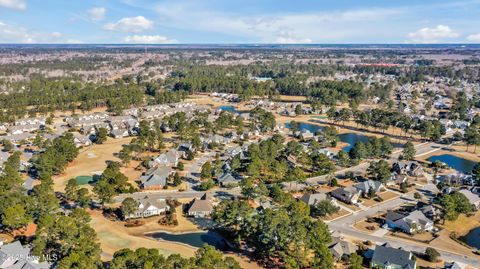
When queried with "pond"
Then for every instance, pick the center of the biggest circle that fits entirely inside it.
(457, 163)
(472, 238)
(349, 138)
(197, 239)
(229, 109)
(84, 180)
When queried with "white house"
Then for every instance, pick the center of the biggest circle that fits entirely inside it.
(148, 207)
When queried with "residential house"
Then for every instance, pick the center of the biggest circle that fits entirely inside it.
(293, 186)
(473, 198)
(119, 133)
(200, 208)
(314, 198)
(306, 134)
(184, 148)
(410, 168)
(347, 195)
(342, 249)
(217, 139)
(430, 211)
(386, 257)
(364, 186)
(19, 129)
(132, 126)
(30, 121)
(327, 153)
(457, 178)
(408, 223)
(155, 178)
(396, 179)
(228, 180)
(81, 140)
(169, 158)
(148, 207)
(15, 138)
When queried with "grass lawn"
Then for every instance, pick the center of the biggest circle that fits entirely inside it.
(463, 224)
(340, 213)
(388, 195)
(90, 161)
(362, 226)
(420, 237)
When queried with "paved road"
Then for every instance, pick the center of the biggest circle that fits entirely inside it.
(421, 149)
(194, 169)
(344, 226)
(173, 194)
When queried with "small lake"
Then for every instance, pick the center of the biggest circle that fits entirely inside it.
(84, 180)
(457, 163)
(197, 239)
(472, 238)
(350, 138)
(229, 109)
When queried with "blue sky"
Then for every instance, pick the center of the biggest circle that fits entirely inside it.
(239, 21)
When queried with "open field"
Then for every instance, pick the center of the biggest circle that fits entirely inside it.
(91, 160)
(113, 236)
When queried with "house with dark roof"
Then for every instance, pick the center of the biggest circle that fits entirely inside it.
(392, 258)
(410, 168)
(347, 195)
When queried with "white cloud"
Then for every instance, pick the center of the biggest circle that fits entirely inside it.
(14, 4)
(56, 35)
(130, 25)
(17, 34)
(73, 41)
(474, 38)
(96, 13)
(433, 35)
(149, 39)
(287, 37)
(303, 27)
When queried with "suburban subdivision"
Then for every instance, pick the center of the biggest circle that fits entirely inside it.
(213, 156)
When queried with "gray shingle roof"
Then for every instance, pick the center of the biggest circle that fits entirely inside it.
(388, 255)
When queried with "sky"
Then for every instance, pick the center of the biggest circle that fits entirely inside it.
(239, 21)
